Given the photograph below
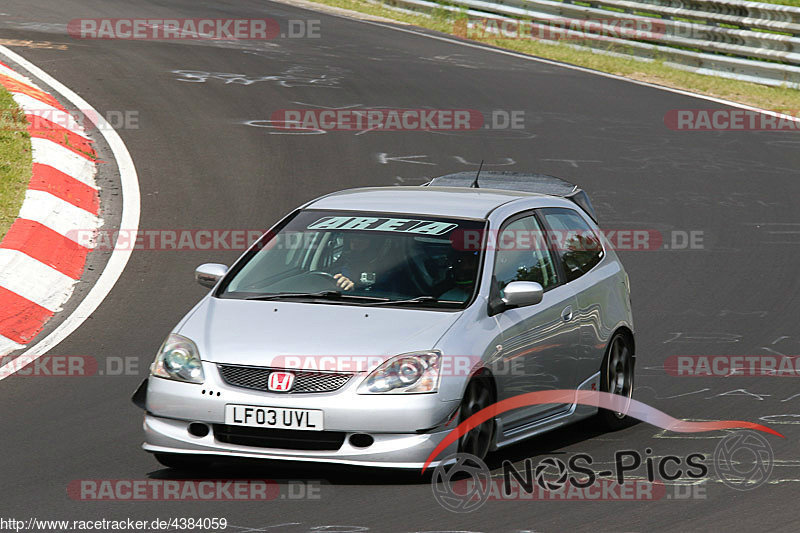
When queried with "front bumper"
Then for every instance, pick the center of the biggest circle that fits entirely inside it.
(165, 435)
(405, 428)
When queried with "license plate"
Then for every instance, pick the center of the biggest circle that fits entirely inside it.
(273, 417)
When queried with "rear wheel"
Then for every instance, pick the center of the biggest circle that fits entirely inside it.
(616, 377)
(180, 461)
(478, 440)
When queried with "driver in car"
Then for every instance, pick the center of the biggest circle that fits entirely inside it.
(358, 262)
(465, 270)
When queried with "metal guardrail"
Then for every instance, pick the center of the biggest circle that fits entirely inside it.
(726, 38)
(743, 15)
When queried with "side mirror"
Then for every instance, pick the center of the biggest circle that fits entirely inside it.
(522, 294)
(209, 274)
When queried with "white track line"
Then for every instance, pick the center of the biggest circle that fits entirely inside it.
(130, 215)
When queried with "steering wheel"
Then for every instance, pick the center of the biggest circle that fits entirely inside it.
(323, 276)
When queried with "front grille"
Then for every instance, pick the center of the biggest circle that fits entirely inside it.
(286, 439)
(257, 377)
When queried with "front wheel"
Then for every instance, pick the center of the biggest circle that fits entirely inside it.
(616, 377)
(478, 440)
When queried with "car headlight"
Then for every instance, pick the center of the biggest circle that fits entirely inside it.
(416, 372)
(178, 359)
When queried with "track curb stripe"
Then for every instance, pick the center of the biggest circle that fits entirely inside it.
(62, 217)
(45, 129)
(38, 109)
(33, 280)
(41, 257)
(46, 246)
(131, 212)
(14, 85)
(21, 319)
(48, 179)
(67, 161)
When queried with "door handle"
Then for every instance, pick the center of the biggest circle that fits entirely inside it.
(566, 314)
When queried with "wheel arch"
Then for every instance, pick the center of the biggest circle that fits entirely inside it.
(485, 374)
(626, 332)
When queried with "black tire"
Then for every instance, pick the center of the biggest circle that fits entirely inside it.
(477, 396)
(180, 461)
(617, 377)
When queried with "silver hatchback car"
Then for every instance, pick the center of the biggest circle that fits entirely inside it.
(368, 322)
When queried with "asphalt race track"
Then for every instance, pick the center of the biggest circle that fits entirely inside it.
(201, 166)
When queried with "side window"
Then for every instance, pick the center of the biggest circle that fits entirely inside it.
(522, 255)
(577, 245)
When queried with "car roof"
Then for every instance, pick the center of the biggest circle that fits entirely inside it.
(459, 202)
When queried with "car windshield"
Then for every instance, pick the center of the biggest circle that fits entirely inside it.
(363, 259)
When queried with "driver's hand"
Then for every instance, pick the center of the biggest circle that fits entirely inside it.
(344, 282)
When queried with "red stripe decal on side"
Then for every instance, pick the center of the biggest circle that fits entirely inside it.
(48, 179)
(46, 246)
(20, 319)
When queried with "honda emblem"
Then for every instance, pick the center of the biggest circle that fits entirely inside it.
(280, 381)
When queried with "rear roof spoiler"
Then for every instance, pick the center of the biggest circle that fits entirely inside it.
(520, 181)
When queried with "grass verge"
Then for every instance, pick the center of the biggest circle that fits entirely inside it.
(795, 3)
(16, 165)
(773, 98)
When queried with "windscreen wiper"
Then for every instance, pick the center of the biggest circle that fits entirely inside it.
(281, 295)
(417, 300)
(327, 295)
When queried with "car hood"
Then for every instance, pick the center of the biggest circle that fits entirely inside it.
(265, 333)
